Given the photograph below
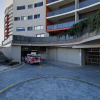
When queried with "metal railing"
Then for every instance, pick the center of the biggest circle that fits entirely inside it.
(61, 11)
(60, 26)
(87, 3)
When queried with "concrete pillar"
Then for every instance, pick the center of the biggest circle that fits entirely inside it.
(82, 57)
(76, 14)
(76, 17)
(76, 4)
(47, 54)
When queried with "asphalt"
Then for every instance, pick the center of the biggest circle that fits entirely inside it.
(50, 81)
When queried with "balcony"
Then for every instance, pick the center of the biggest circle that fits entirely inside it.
(10, 33)
(10, 26)
(87, 3)
(50, 1)
(61, 11)
(60, 26)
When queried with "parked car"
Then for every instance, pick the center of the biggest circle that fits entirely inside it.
(33, 58)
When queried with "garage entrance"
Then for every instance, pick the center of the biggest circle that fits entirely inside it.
(29, 49)
(92, 56)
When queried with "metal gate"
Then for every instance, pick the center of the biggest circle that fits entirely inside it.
(92, 56)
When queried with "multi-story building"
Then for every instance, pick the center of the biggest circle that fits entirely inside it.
(8, 22)
(38, 23)
(62, 14)
(29, 18)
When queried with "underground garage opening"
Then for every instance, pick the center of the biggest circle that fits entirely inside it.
(30, 49)
(92, 56)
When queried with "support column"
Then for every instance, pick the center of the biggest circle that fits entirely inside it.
(76, 17)
(82, 57)
(76, 4)
(76, 14)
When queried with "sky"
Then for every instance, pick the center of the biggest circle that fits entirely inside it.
(3, 5)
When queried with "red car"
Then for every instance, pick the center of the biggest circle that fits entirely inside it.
(33, 58)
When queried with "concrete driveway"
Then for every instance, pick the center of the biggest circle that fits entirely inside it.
(50, 81)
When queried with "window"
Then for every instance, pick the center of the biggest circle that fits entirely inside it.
(30, 28)
(40, 35)
(16, 18)
(20, 7)
(20, 29)
(30, 17)
(40, 27)
(30, 6)
(36, 16)
(38, 4)
(23, 18)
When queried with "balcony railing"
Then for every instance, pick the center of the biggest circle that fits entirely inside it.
(87, 3)
(61, 11)
(60, 26)
(50, 1)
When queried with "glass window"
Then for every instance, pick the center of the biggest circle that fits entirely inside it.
(36, 16)
(38, 4)
(40, 35)
(16, 18)
(30, 17)
(35, 27)
(30, 28)
(20, 7)
(40, 27)
(23, 18)
(20, 29)
(30, 6)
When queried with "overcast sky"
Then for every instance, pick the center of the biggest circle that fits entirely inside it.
(3, 5)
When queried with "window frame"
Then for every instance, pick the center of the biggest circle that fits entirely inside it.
(39, 4)
(31, 28)
(36, 16)
(21, 7)
(23, 29)
(30, 6)
(30, 16)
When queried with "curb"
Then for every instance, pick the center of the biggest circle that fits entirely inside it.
(16, 65)
(7, 70)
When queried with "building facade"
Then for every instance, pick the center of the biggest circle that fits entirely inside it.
(62, 14)
(38, 23)
(8, 22)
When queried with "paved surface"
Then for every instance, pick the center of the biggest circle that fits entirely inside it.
(71, 82)
(3, 67)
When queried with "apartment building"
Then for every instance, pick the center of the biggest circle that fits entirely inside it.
(26, 18)
(8, 21)
(38, 23)
(62, 14)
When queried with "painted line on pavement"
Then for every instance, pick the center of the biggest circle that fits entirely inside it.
(40, 66)
(13, 68)
(49, 66)
(50, 77)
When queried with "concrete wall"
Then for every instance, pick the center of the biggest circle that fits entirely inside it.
(12, 52)
(64, 55)
(27, 23)
(16, 53)
(6, 50)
